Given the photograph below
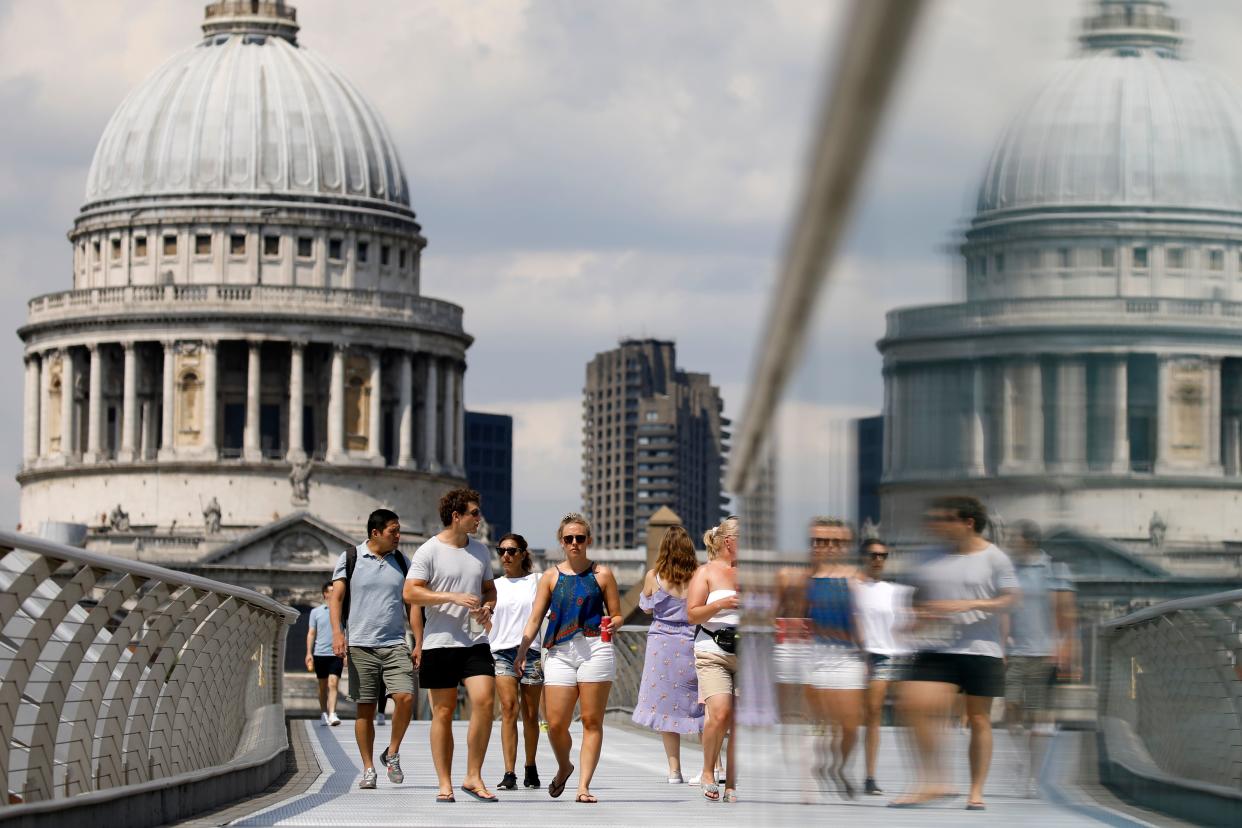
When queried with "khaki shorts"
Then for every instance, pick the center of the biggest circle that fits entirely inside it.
(717, 674)
(367, 664)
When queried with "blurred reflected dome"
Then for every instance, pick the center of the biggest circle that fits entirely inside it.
(1126, 124)
(247, 112)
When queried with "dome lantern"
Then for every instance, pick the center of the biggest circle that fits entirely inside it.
(253, 17)
(1125, 27)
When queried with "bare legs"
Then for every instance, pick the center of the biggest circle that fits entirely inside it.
(512, 695)
(841, 712)
(480, 690)
(876, 692)
(926, 705)
(559, 704)
(364, 732)
(979, 716)
(672, 752)
(591, 698)
(718, 724)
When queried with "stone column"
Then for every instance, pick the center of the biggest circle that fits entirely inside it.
(251, 451)
(889, 420)
(1215, 404)
(459, 421)
(431, 458)
(168, 426)
(68, 432)
(1010, 385)
(1033, 411)
(211, 393)
(405, 411)
(1119, 456)
(129, 404)
(297, 351)
(974, 461)
(94, 408)
(146, 439)
(450, 418)
(1071, 414)
(33, 405)
(1233, 445)
(45, 404)
(336, 406)
(374, 409)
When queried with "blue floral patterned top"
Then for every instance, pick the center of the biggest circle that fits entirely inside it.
(577, 607)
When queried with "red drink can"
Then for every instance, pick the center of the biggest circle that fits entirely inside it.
(605, 629)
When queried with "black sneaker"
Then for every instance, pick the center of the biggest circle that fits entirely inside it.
(509, 783)
(532, 777)
(872, 788)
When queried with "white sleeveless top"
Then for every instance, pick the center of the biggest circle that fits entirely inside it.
(723, 618)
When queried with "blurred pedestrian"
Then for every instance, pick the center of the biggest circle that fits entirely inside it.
(326, 665)
(712, 605)
(961, 593)
(515, 595)
(884, 616)
(583, 607)
(668, 695)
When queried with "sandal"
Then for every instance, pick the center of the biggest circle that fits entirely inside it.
(557, 786)
(730, 795)
(976, 806)
(711, 793)
(445, 798)
(586, 798)
(479, 794)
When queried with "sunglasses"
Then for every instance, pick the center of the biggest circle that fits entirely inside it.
(506, 551)
(568, 539)
(877, 556)
(828, 542)
(472, 513)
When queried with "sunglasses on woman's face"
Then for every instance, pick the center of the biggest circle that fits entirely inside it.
(568, 539)
(506, 551)
(877, 556)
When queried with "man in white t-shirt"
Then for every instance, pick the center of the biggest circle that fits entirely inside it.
(962, 591)
(451, 576)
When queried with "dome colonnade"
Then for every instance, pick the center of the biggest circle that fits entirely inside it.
(1093, 373)
(246, 314)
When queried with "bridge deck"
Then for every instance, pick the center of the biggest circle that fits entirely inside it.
(630, 784)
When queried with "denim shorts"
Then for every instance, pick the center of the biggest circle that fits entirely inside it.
(533, 674)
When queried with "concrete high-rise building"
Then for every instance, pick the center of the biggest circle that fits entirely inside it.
(869, 459)
(757, 508)
(489, 467)
(653, 435)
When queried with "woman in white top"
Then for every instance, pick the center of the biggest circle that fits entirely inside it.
(712, 604)
(515, 594)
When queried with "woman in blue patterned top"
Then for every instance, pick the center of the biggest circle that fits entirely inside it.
(576, 595)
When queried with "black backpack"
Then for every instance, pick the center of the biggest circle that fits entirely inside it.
(351, 561)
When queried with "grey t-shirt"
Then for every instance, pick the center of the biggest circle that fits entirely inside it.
(376, 612)
(448, 568)
(1032, 624)
(951, 576)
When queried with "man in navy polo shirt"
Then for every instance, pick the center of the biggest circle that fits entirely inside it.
(374, 637)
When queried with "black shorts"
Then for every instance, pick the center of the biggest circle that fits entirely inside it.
(445, 667)
(976, 675)
(328, 666)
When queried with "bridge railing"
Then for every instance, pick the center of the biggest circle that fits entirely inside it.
(120, 678)
(1170, 706)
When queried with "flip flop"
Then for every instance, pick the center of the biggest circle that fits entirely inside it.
(730, 795)
(976, 806)
(918, 803)
(445, 798)
(586, 799)
(557, 786)
(479, 796)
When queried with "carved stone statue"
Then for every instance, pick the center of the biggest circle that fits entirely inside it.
(118, 519)
(211, 516)
(1156, 528)
(299, 480)
(870, 530)
(298, 548)
(484, 533)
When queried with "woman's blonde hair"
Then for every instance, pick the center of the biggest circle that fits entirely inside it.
(712, 537)
(572, 517)
(676, 562)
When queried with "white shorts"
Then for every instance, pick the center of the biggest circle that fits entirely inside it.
(578, 660)
(837, 668)
(790, 661)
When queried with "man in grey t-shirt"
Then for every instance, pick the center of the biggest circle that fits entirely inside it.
(961, 593)
(451, 576)
(374, 637)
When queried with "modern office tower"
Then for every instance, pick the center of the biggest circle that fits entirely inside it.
(653, 435)
(489, 468)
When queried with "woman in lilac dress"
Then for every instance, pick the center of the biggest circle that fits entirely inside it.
(668, 698)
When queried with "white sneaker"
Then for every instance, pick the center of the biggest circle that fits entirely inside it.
(323, 719)
(380, 719)
(675, 779)
(333, 720)
(698, 777)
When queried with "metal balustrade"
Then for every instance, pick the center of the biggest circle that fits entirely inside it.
(118, 676)
(1170, 705)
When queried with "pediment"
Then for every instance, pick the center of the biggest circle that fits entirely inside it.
(299, 541)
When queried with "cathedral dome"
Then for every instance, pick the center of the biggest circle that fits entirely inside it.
(247, 113)
(1128, 124)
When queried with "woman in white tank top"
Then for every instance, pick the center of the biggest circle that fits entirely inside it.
(712, 604)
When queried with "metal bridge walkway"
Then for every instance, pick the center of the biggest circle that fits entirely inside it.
(630, 784)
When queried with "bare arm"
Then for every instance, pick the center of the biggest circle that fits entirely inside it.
(1067, 629)
(538, 609)
(416, 593)
(698, 610)
(612, 595)
(416, 627)
(310, 647)
(649, 583)
(336, 600)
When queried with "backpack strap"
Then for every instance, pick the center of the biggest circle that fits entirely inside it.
(351, 561)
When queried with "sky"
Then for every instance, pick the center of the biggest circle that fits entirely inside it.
(590, 171)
